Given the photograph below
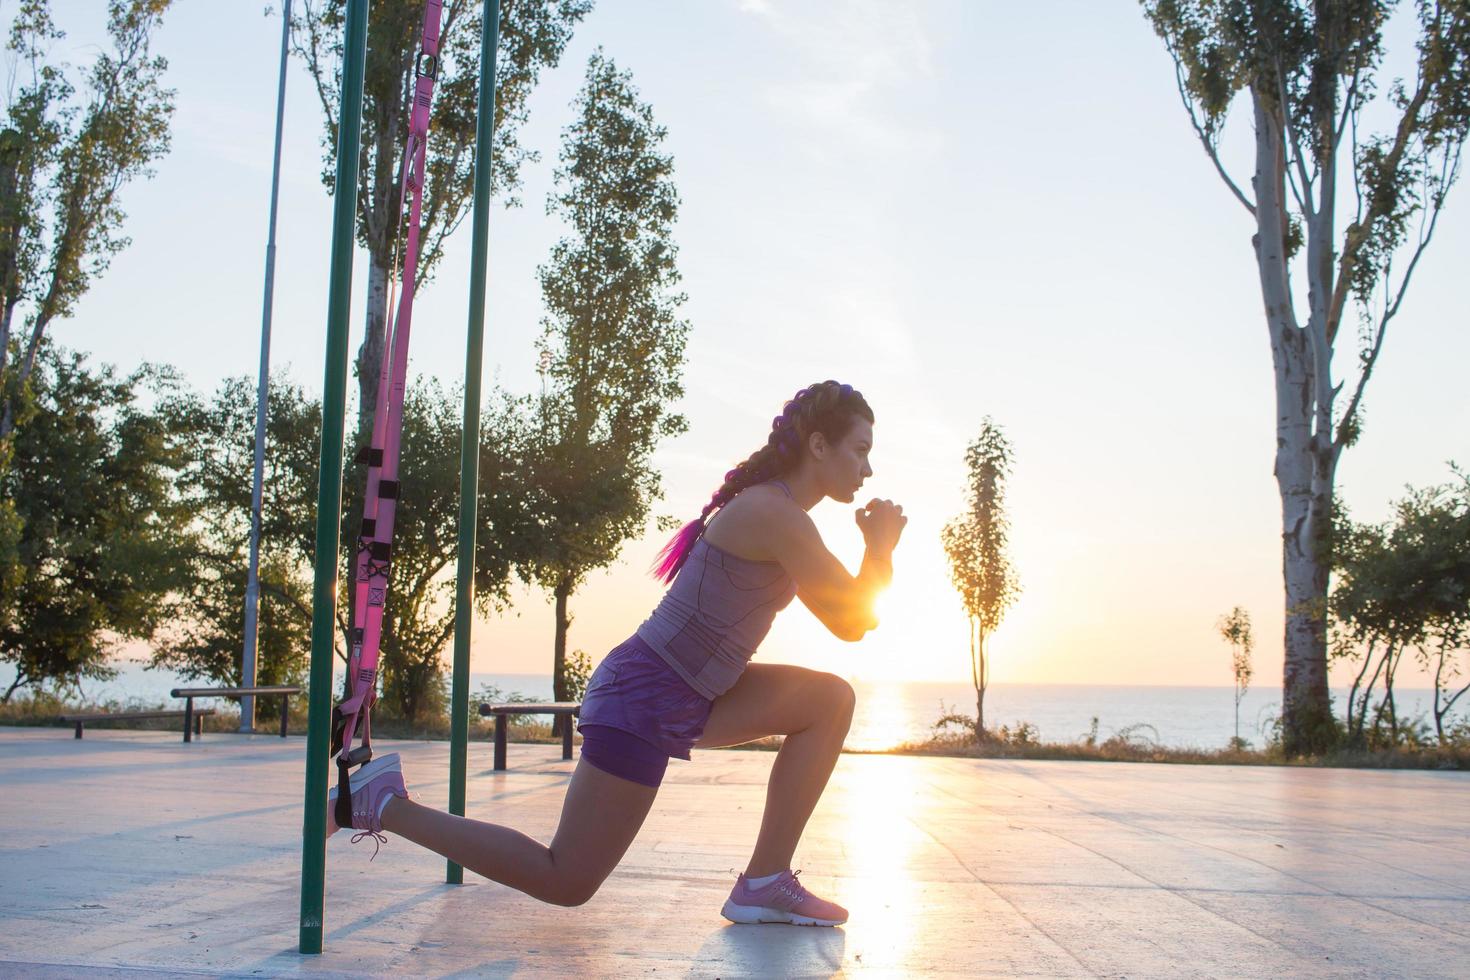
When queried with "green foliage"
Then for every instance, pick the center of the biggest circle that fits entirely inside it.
(216, 488)
(104, 543)
(614, 342)
(418, 621)
(419, 618)
(975, 544)
(578, 673)
(1404, 587)
(1235, 629)
(62, 165)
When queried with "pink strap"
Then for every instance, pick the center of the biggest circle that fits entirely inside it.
(374, 553)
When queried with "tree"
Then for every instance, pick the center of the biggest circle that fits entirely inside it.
(533, 34)
(1235, 629)
(63, 165)
(216, 487)
(615, 341)
(419, 618)
(975, 544)
(418, 621)
(105, 544)
(1310, 70)
(1404, 586)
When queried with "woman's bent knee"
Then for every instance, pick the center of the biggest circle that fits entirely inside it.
(840, 696)
(570, 894)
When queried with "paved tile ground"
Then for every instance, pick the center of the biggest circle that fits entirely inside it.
(132, 854)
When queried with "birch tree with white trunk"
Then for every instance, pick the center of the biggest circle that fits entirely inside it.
(1332, 202)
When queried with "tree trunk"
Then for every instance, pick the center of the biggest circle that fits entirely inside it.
(1358, 683)
(559, 688)
(10, 148)
(1393, 709)
(977, 674)
(1303, 471)
(27, 365)
(1438, 685)
(1359, 735)
(20, 679)
(5, 319)
(1306, 704)
(370, 354)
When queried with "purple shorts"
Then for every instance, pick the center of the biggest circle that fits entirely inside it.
(638, 713)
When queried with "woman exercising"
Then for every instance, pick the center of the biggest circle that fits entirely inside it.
(684, 679)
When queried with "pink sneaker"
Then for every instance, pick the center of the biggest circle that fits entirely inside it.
(373, 785)
(783, 900)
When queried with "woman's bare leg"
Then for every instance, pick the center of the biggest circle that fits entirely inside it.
(599, 819)
(813, 710)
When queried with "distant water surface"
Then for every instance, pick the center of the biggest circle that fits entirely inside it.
(891, 713)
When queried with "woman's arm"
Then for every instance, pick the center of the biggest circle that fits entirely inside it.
(842, 601)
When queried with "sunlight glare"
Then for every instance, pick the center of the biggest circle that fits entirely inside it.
(881, 840)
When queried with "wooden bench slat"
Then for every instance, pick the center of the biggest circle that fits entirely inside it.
(286, 690)
(502, 713)
(541, 708)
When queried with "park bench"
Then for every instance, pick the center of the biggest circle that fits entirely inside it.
(195, 719)
(502, 712)
(190, 693)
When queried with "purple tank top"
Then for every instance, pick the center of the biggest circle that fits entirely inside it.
(715, 614)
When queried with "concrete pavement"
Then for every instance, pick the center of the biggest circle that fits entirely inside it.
(130, 854)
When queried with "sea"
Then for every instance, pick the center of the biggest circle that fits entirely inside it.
(891, 713)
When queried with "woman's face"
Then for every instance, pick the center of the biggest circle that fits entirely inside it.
(843, 466)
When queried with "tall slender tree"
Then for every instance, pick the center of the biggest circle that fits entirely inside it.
(64, 160)
(1235, 629)
(614, 337)
(1349, 210)
(976, 545)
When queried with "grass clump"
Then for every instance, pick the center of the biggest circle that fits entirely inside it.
(954, 735)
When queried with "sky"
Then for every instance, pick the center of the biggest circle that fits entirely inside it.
(963, 209)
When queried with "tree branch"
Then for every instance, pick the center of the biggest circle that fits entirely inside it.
(1204, 138)
(1357, 233)
(309, 19)
(1391, 306)
(1304, 195)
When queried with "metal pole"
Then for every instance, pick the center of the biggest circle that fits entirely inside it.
(469, 443)
(329, 486)
(252, 583)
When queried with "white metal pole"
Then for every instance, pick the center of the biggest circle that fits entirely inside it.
(252, 585)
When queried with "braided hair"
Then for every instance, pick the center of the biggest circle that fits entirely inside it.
(826, 407)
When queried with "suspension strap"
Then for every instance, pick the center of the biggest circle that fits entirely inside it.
(352, 718)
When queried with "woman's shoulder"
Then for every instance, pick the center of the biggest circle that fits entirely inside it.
(744, 526)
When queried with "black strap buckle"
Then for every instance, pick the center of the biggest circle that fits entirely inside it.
(426, 65)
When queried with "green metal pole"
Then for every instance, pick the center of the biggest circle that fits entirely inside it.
(329, 482)
(469, 443)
